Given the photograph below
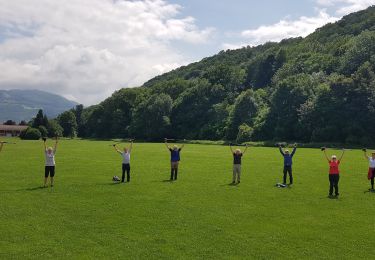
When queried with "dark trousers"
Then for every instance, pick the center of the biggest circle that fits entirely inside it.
(125, 168)
(174, 173)
(288, 169)
(372, 178)
(334, 183)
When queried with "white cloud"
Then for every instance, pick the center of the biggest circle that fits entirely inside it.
(344, 7)
(287, 28)
(87, 49)
(303, 26)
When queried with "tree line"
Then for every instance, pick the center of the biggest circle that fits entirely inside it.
(315, 89)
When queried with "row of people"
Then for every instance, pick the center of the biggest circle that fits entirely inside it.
(333, 176)
(333, 162)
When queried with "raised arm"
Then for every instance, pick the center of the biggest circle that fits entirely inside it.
(182, 146)
(230, 147)
(281, 150)
(44, 143)
(342, 154)
(294, 149)
(365, 153)
(325, 153)
(131, 146)
(245, 149)
(56, 141)
(166, 144)
(116, 149)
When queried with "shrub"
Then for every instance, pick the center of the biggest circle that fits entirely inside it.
(244, 133)
(43, 131)
(30, 134)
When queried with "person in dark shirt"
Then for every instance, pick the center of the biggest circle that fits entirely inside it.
(288, 161)
(237, 156)
(175, 159)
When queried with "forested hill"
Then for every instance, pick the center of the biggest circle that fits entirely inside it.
(318, 88)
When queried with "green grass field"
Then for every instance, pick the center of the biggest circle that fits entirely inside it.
(86, 216)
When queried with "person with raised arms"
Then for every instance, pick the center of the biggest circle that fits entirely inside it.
(125, 154)
(371, 169)
(334, 172)
(288, 162)
(49, 169)
(175, 159)
(237, 160)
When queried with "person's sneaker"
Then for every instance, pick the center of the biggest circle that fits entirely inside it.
(336, 195)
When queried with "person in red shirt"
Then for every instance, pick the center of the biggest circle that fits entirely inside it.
(334, 172)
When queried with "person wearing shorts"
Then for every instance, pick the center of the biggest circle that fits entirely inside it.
(237, 161)
(288, 161)
(125, 161)
(371, 169)
(334, 173)
(175, 159)
(49, 169)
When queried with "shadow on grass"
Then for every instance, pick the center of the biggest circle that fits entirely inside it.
(369, 191)
(170, 181)
(110, 183)
(37, 188)
(115, 183)
(27, 189)
(230, 184)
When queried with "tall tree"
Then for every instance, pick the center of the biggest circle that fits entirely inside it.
(68, 122)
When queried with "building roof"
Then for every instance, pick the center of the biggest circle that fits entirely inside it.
(13, 127)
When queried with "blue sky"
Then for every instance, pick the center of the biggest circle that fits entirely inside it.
(238, 15)
(87, 49)
(232, 17)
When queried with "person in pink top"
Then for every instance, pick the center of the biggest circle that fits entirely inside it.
(334, 172)
(371, 169)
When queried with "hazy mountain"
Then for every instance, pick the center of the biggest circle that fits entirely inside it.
(20, 105)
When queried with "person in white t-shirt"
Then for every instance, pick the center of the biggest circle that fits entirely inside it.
(125, 161)
(371, 169)
(49, 169)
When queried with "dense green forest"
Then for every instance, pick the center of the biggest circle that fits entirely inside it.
(315, 89)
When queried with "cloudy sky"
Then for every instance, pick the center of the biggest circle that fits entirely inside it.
(87, 49)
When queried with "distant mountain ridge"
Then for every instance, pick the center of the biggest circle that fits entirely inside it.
(18, 105)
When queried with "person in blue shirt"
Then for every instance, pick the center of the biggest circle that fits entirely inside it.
(175, 159)
(288, 162)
